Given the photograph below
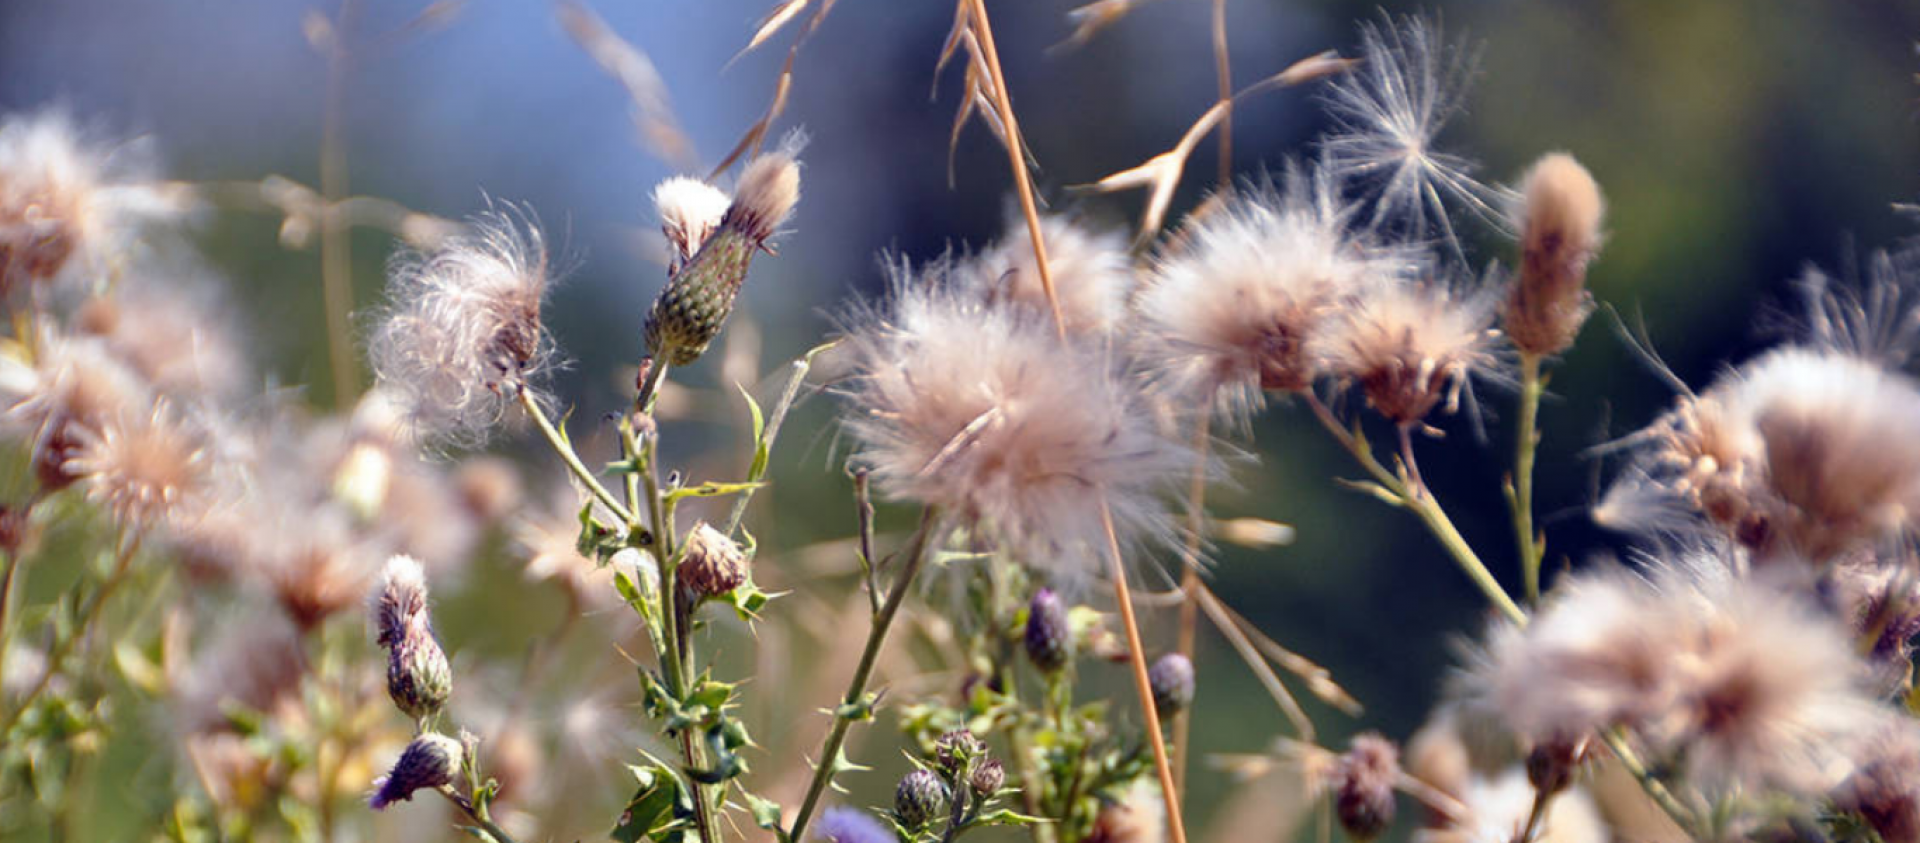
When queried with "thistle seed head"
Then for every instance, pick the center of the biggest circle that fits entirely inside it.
(713, 565)
(1363, 786)
(1559, 222)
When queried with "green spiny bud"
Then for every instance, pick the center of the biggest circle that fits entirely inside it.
(689, 314)
(920, 798)
(954, 749)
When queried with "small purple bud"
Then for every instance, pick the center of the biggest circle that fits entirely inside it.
(920, 798)
(954, 749)
(988, 778)
(1171, 678)
(1363, 786)
(1049, 636)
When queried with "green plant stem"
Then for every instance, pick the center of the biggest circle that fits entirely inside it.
(562, 447)
(1528, 440)
(774, 420)
(1616, 739)
(8, 584)
(857, 687)
(479, 816)
(1405, 492)
(122, 564)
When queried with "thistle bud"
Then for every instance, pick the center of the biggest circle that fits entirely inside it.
(418, 677)
(713, 565)
(699, 296)
(920, 798)
(954, 749)
(1171, 678)
(1363, 786)
(1559, 221)
(432, 760)
(988, 778)
(1049, 635)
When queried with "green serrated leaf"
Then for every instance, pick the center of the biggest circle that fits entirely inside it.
(766, 814)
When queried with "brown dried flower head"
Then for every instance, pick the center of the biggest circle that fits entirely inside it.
(1559, 222)
(713, 564)
(144, 469)
(62, 196)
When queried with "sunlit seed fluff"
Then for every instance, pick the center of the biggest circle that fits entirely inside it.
(319, 569)
(1247, 304)
(75, 387)
(1801, 453)
(430, 762)
(66, 200)
(690, 312)
(171, 326)
(985, 414)
(1091, 272)
(144, 469)
(1137, 814)
(689, 209)
(462, 329)
(248, 664)
(1390, 109)
(1414, 346)
(1558, 218)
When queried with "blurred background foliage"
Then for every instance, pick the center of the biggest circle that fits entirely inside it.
(1736, 143)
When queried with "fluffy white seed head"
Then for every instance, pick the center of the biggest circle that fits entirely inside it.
(1746, 681)
(1390, 109)
(769, 188)
(1248, 301)
(689, 211)
(462, 330)
(1497, 807)
(983, 413)
(1092, 276)
(1412, 345)
(1800, 453)
(144, 468)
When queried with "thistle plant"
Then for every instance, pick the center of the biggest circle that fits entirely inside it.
(1031, 428)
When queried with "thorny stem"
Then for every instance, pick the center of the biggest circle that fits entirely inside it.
(478, 815)
(1141, 685)
(336, 257)
(1190, 586)
(122, 564)
(1016, 146)
(567, 455)
(1616, 739)
(863, 514)
(1407, 494)
(843, 719)
(1531, 548)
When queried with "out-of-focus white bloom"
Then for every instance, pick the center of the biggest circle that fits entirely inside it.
(1092, 276)
(462, 331)
(985, 414)
(1497, 810)
(143, 468)
(1743, 682)
(1801, 453)
(66, 201)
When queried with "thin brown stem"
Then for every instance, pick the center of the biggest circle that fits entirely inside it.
(1141, 685)
(1016, 158)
